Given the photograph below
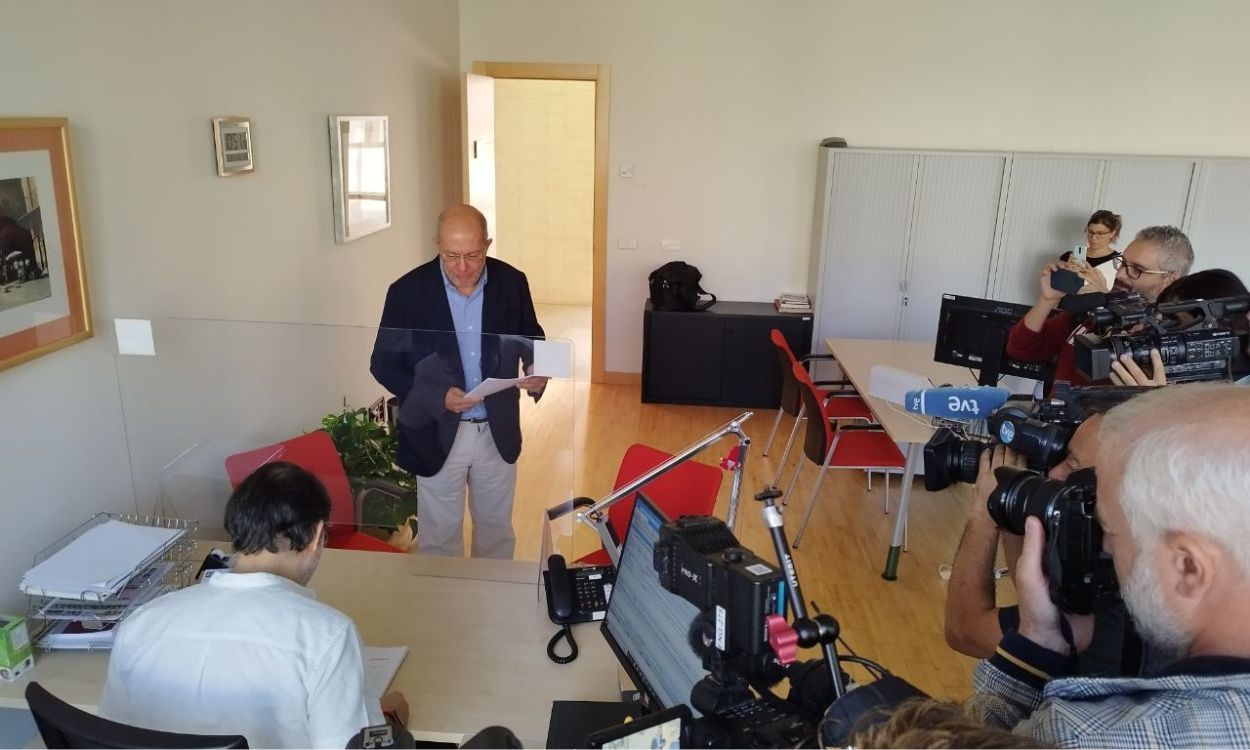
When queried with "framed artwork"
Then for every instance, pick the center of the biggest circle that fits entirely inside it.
(232, 140)
(43, 283)
(360, 175)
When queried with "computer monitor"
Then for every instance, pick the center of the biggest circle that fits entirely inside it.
(647, 627)
(972, 332)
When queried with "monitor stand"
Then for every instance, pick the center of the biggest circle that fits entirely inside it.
(992, 355)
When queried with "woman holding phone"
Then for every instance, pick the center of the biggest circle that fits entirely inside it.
(1102, 229)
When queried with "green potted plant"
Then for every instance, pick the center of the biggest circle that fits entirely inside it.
(386, 496)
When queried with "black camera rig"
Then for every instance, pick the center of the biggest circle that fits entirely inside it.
(1037, 429)
(1194, 337)
(746, 642)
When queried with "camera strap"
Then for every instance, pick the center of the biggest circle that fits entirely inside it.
(1065, 629)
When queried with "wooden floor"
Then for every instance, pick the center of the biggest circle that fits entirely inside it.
(575, 437)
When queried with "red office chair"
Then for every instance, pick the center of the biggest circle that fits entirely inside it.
(316, 453)
(690, 489)
(842, 404)
(850, 447)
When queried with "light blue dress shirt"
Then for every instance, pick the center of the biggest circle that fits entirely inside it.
(466, 315)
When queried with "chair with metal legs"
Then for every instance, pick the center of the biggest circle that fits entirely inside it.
(850, 447)
(838, 405)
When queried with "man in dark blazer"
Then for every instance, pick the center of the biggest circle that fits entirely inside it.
(446, 326)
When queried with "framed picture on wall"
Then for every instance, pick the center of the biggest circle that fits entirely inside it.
(43, 283)
(360, 175)
(232, 140)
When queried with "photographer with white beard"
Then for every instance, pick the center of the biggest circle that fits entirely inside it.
(1174, 504)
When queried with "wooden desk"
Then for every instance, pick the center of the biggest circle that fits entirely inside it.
(476, 632)
(857, 357)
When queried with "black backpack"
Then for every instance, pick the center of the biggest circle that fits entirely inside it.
(675, 286)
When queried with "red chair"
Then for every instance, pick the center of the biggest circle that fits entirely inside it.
(690, 489)
(316, 453)
(838, 405)
(851, 447)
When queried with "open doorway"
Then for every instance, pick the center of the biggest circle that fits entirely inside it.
(535, 156)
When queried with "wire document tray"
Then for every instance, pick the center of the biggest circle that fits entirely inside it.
(86, 621)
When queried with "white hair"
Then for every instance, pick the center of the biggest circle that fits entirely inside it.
(1185, 453)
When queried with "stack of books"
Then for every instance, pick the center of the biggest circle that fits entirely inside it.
(792, 302)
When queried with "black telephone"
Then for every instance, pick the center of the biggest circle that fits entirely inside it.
(578, 594)
(573, 596)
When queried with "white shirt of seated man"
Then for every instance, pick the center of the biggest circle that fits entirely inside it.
(248, 652)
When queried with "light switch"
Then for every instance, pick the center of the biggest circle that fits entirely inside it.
(673, 246)
(626, 170)
(630, 244)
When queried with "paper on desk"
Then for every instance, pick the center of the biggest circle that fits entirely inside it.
(553, 359)
(491, 386)
(381, 664)
(98, 562)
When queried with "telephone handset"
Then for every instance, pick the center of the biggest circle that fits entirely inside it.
(575, 595)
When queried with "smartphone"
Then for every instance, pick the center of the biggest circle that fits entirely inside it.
(1079, 254)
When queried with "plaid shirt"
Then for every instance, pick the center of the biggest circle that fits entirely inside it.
(1197, 702)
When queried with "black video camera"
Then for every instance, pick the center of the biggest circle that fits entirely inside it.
(1037, 430)
(1081, 578)
(699, 559)
(1190, 336)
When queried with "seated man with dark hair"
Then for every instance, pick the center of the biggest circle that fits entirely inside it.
(251, 651)
(1173, 502)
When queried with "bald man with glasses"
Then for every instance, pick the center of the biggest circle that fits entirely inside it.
(446, 326)
(1155, 258)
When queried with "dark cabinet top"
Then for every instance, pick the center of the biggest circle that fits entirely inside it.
(731, 309)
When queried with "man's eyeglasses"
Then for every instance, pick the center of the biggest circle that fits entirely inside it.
(473, 257)
(1132, 270)
(1092, 233)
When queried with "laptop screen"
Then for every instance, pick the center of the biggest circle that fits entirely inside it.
(647, 627)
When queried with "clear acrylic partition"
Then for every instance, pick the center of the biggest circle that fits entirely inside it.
(216, 398)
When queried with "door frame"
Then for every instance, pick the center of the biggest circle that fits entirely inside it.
(600, 74)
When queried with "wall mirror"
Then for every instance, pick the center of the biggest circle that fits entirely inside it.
(361, 175)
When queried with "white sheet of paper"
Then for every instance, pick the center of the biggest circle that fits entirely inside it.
(134, 336)
(491, 386)
(553, 359)
(381, 664)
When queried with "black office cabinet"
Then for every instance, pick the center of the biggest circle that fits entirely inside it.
(722, 356)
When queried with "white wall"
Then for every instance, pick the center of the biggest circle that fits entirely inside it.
(720, 105)
(139, 81)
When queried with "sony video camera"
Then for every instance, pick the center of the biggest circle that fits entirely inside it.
(1191, 337)
(1081, 577)
(699, 559)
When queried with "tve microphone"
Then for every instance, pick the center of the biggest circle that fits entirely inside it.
(968, 403)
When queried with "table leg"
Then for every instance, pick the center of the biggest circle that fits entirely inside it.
(914, 456)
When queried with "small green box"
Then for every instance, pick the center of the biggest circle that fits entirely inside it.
(16, 658)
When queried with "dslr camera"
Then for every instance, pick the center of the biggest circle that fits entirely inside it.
(1191, 340)
(1081, 578)
(1038, 430)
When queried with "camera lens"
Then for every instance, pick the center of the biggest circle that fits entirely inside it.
(1022, 493)
(1044, 443)
(949, 459)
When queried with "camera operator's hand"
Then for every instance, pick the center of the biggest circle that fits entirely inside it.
(1126, 371)
(991, 458)
(1039, 617)
(1049, 293)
